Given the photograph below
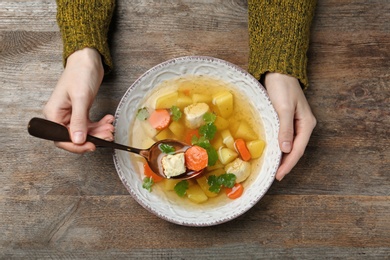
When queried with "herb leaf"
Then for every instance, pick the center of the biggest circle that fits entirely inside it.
(213, 156)
(214, 184)
(176, 113)
(166, 148)
(208, 130)
(228, 180)
(148, 183)
(142, 114)
(224, 180)
(181, 188)
(209, 117)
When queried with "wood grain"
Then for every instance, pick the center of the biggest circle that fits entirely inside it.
(334, 204)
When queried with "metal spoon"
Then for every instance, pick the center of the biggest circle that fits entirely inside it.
(50, 130)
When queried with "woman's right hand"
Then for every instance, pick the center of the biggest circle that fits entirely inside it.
(72, 99)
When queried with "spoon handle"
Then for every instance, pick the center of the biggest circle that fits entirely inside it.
(50, 130)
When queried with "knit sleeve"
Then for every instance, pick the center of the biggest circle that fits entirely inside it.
(279, 37)
(85, 23)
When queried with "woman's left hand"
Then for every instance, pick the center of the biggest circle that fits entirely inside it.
(296, 119)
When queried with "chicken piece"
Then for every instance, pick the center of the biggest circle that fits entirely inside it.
(240, 168)
(173, 164)
(194, 115)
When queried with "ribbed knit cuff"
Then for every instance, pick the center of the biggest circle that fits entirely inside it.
(85, 23)
(279, 37)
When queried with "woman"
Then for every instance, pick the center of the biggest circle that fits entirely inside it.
(279, 38)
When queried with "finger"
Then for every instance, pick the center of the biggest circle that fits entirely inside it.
(103, 129)
(286, 130)
(106, 120)
(291, 159)
(288, 162)
(106, 135)
(75, 148)
(79, 121)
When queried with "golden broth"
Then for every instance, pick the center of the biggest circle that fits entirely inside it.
(143, 135)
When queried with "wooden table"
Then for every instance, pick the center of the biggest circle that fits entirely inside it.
(335, 203)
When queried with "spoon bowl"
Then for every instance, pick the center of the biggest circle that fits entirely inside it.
(49, 130)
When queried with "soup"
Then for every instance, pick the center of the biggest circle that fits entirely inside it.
(205, 112)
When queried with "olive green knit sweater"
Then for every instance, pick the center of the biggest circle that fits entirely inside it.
(85, 23)
(278, 30)
(279, 36)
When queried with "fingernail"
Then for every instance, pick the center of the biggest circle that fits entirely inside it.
(286, 147)
(78, 137)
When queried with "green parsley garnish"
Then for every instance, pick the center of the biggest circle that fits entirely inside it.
(181, 188)
(148, 183)
(143, 114)
(208, 130)
(176, 113)
(228, 179)
(209, 117)
(166, 148)
(224, 180)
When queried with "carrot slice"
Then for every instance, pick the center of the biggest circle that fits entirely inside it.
(189, 134)
(235, 192)
(196, 158)
(242, 149)
(160, 119)
(149, 173)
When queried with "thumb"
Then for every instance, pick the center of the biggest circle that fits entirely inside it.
(286, 131)
(79, 122)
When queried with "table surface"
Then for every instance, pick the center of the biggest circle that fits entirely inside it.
(334, 204)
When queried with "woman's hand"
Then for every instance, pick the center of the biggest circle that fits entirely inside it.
(296, 119)
(72, 99)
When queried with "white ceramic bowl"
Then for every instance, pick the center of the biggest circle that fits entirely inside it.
(158, 202)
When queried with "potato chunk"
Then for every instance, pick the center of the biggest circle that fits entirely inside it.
(228, 139)
(167, 100)
(201, 98)
(223, 101)
(196, 194)
(221, 123)
(226, 155)
(183, 101)
(176, 128)
(255, 148)
(245, 132)
(164, 134)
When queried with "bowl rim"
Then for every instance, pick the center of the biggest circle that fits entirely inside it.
(131, 89)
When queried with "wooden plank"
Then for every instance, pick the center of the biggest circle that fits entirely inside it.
(21, 15)
(298, 224)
